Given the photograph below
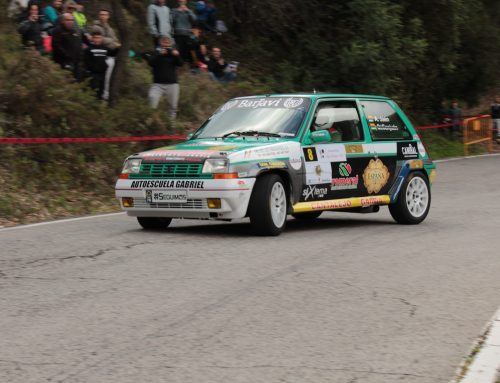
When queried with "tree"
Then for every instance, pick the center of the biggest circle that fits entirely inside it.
(120, 70)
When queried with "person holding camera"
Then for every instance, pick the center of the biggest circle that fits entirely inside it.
(164, 63)
(219, 69)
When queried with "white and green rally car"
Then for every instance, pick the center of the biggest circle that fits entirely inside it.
(266, 157)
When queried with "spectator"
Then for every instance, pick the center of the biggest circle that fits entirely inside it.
(52, 12)
(95, 61)
(495, 115)
(159, 20)
(219, 69)
(206, 13)
(16, 8)
(31, 29)
(77, 11)
(67, 45)
(183, 19)
(164, 62)
(111, 42)
(456, 118)
(198, 50)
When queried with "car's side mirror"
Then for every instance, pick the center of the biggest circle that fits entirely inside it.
(189, 136)
(319, 136)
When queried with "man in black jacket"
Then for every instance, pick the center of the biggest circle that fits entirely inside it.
(31, 29)
(67, 45)
(164, 62)
(95, 61)
(219, 69)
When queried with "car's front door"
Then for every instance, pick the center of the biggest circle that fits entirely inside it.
(334, 167)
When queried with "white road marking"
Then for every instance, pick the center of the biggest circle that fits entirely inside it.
(466, 158)
(486, 365)
(61, 221)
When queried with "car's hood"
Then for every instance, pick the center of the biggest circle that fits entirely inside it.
(235, 150)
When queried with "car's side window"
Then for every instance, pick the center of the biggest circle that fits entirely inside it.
(384, 122)
(340, 119)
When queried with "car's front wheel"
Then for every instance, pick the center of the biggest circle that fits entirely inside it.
(154, 223)
(268, 205)
(414, 200)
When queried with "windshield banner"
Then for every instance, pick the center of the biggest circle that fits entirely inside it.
(267, 102)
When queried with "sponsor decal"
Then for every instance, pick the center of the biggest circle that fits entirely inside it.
(318, 173)
(167, 184)
(421, 149)
(345, 182)
(432, 176)
(310, 154)
(416, 164)
(407, 150)
(295, 162)
(272, 165)
(342, 203)
(354, 148)
(371, 201)
(229, 105)
(222, 147)
(314, 192)
(179, 153)
(334, 204)
(332, 153)
(260, 103)
(291, 103)
(375, 176)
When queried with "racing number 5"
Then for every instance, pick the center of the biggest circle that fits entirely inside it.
(310, 154)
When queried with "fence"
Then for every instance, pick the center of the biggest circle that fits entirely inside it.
(477, 130)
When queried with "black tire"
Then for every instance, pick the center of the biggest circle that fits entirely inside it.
(154, 223)
(310, 215)
(412, 207)
(259, 209)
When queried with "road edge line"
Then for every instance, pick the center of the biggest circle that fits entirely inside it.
(60, 221)
(485, 367)
(466, 157)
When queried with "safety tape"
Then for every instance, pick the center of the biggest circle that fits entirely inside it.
(72, 140)
(69, 140)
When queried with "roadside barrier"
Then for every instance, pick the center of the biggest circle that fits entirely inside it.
(477, 130)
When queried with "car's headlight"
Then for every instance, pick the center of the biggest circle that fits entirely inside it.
(215, 165)
(132, 166)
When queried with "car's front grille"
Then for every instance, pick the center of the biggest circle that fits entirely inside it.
(190, 204)
(171, 171)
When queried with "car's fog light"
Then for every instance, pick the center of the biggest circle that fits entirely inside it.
(213, 203)
(127, 202)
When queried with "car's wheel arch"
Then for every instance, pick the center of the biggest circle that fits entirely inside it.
(287, 180)
(410, 173)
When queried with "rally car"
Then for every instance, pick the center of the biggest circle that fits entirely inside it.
(267, 157)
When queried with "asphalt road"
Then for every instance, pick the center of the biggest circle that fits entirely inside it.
(351, 298)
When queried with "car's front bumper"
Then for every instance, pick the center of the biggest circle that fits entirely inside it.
(233, 193)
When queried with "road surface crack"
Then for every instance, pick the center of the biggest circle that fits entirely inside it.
(413, 308)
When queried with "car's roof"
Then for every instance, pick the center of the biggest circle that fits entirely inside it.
(317, 95)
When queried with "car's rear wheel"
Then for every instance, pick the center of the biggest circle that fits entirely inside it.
(268, 205)
(154, 223)
(414, 200)
(307, 216)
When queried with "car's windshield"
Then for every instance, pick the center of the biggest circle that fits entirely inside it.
(266, 116)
